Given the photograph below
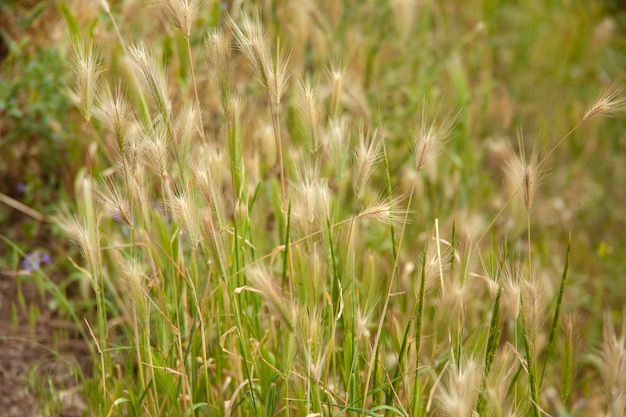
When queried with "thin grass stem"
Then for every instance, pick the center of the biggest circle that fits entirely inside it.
(557, 310)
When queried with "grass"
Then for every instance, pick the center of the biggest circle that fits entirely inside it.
(301, 209)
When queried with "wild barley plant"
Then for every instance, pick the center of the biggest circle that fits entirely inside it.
(227, 285)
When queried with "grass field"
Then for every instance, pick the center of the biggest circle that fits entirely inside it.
(321, 208)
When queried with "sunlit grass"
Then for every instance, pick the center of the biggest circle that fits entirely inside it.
(347, 208)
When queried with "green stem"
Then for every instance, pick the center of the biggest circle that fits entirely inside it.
(557, 311)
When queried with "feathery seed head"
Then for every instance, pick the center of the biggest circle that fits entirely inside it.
(218, 53)
(87, 70)
(334, 137)
(311, 332)
(138, 189)
(336, 75)
(367, 154)
(116, 114)
(116, 203)
(362, 323)
(279, 75)
(524, 174)
(187, 126)
(210, 170)
(385, 211)
(234, 110)
(492, 286)
(511, 291)
(433, 262)
(253, 42)
(78, 231)
(609, 103)
(180, 13)
(308, 105)
(218, 50)
(185, 208)
(155, 149)
(84, 230)
(132, 281)
(261, 279)
(611, 357)
(152, 77)
(532, 305)
(502, 371)
(430, 136)
(458, 396)
(311, 204)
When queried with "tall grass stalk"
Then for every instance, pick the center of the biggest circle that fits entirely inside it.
(374, 361)
(416, 398)
(239, 264)
(495, 329)
(557, 310)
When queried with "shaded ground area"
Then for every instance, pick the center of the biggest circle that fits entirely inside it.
(39, 354)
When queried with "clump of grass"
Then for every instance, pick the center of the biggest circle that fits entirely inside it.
(304, 285)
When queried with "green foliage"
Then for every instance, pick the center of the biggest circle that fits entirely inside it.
(34, 107)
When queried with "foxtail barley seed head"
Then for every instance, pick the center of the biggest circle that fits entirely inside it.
(334, 139)
(367, 154)
(311, 334)
(218, 53)
(309, 107)
(533, 306)
(609, 103)
(78, 231)
(114, 199)
(503, 369)
(116, 114)
(611, 358)
(180, 13)
(152, 77)
(311, 202)
(280, 75)
(433, 262)
(132, 281)
(185, 208)
(511, 291)
(254, 44)
(492, 286)
(524, 174)
(430, 136)
(385, 211)
(217, 49)
(336, 75)
(362, 323)
(155, 149)
(188, 128)
(84, 230)
(458, 396)
(210, 171)
(454, 299)
(252, 41)
(262, 280)
(87, 70)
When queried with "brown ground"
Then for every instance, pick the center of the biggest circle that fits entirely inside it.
(39, 360)
(37, 368)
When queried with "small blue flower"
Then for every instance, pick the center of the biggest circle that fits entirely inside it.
(33, 260)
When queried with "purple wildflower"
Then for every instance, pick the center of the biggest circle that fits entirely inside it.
(33, 260)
